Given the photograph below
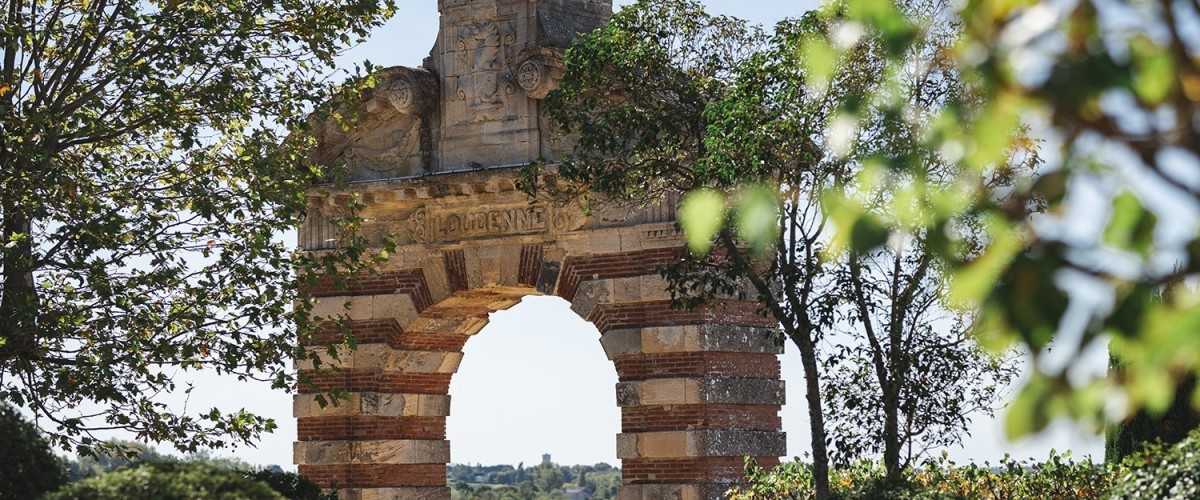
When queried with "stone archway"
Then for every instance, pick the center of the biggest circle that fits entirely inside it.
(698, 390)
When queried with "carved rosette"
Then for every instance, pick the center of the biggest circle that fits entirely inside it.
(411, 91)
(539, 71)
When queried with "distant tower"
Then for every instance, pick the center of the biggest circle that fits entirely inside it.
(545, 458)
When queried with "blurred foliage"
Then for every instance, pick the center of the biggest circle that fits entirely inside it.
(168, 481)
(27, 466)
(1113, 91)
(1127, 436)
(668, 98)
(151, 155)
(1162, 471)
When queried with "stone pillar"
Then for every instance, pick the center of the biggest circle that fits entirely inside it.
(695, 399)
(388, 441)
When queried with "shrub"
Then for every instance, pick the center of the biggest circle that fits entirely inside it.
(168, 481)
(289, 484)
(1160, 471)
(1056, 478)
(27, 467)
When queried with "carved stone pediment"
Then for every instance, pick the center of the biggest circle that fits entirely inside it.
(473, 104)
(393, 135)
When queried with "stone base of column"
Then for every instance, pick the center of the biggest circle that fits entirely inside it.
(415, 493)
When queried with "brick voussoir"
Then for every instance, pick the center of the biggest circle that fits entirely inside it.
(578, 269)
(410, 281)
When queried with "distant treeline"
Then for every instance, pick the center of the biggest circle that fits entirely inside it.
(543, 481)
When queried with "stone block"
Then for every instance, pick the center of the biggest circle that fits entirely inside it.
(732, 442)
(331, 307)
(722, 390)
(742, 391)
(306, 405)
(590, 294)
(401, 451)
(620, 342)
(399, 306)
(734, 338)
(668, 391)
(395, 451)
(321, 452)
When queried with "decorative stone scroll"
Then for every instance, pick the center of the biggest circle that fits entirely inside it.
(410, 91)
(539, 70)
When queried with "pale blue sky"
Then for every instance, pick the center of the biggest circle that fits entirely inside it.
(536, 380)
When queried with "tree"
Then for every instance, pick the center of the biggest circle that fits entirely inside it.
(548, 477)
(1115, 87)
(168, 481)
(27, 467)
(144, 182)
(914, 375)
(667, 98)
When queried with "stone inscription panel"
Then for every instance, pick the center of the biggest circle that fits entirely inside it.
(429, 224)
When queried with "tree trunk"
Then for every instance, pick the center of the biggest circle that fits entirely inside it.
(891, 431)
(18, 297)
(816, 419)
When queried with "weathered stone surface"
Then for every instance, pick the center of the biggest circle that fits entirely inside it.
(374, 403)
(690, 338)
(396, 451)
(723, 390)
(387, 358)
(700, 443)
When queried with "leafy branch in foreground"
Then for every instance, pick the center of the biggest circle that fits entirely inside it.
(145, 182)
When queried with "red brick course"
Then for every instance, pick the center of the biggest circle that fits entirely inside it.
(576, 270)
(377, 381)
(375, 475)
(456, 269)
(687, 470)
(409, 281)
(696, 364)
(369, 427)
(531, 264)
(422, 341)
(660, 313)
(365, 331)
(700, 416)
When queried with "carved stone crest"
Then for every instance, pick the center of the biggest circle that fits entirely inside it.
(485, 51)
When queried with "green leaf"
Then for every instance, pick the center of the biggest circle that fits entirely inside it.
(758, 218)
(1154, 73)
(1130, 225)
(701, 215)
